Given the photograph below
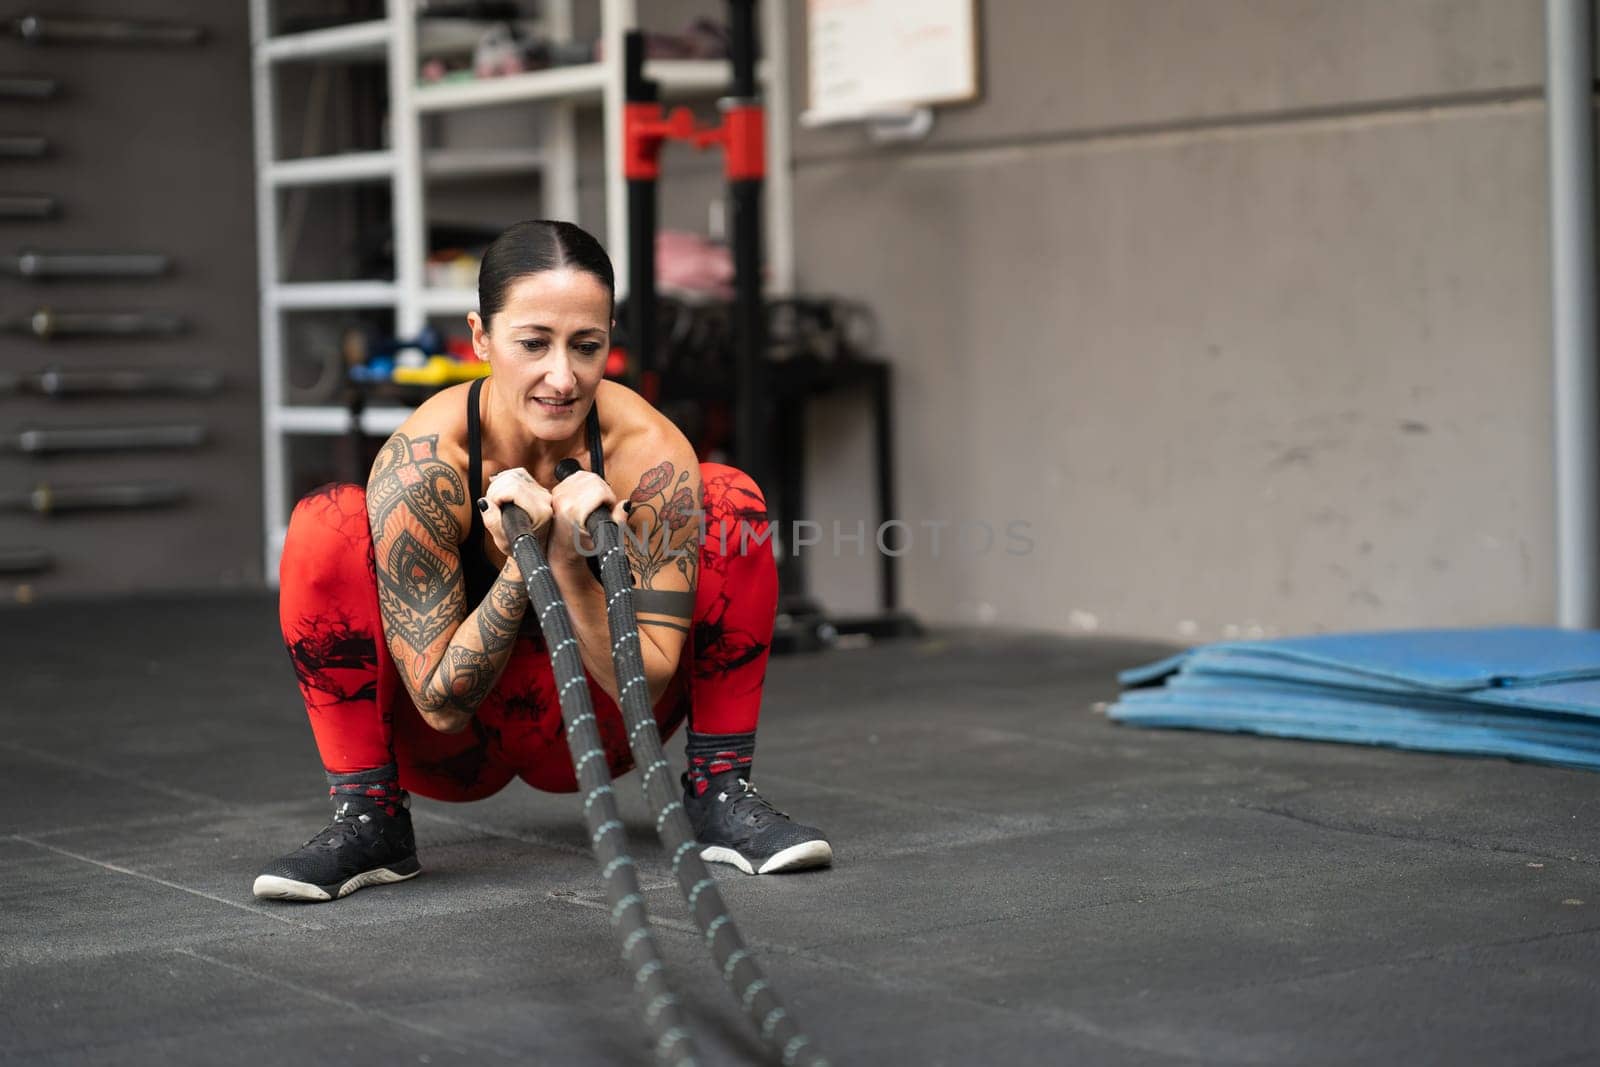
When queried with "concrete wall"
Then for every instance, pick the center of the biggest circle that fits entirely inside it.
(1240, 304)
(152, 151)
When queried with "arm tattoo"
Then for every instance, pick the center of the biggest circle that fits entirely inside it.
(411, 499)
(669, 503)
(464, 678)
(415, 533)
(669, 602)
(664, 602)
(500, 615)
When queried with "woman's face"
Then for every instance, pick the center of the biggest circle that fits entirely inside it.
(547, 347)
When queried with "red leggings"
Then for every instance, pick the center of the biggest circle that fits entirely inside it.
(363, 718)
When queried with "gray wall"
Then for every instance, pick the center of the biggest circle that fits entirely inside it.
(1240, 304)
(153, 152)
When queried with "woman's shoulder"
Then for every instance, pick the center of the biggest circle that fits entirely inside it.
(647, 457)
(441, 419)
(427, 454)
(630, 426)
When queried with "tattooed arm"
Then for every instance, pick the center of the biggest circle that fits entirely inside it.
(662, 540)
(448, 658)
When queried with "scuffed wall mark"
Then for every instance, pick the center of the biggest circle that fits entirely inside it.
(1292, 456)
(1295, 456)
(1303, 453)
(1413, 427)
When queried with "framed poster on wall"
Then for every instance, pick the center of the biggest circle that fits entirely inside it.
(869, 57)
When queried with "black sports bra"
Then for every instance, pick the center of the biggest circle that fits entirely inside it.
(480, 573)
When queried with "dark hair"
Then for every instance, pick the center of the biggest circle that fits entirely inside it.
(535, 245)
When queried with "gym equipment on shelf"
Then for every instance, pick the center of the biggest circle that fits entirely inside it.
(47, 323)
(104, 438)
(61, 384)
(23, 146)
(68, 30)
(40, 265)
(47, 500)
(15, 206)
(23, 87)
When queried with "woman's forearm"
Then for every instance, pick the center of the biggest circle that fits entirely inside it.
(586, 604)
(477, 654)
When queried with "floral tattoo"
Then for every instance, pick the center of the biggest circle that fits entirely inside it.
(669, 506)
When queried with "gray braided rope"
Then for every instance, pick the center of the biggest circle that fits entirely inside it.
(663, 1015)
(788, 1044)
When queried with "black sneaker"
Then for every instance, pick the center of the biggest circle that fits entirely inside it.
(737, 826)
(362, 846)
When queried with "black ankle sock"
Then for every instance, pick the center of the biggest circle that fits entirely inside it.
(381, 786)
(711, 755)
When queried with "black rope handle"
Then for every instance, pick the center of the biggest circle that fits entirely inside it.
(778, 1028)
(663, 1015)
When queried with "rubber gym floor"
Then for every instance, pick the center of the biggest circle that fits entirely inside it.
(1017, 880)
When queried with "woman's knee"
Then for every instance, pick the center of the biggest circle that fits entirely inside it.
(326, 565)
(327, 529)
(332, 509)
(726, 488)
(735, 513)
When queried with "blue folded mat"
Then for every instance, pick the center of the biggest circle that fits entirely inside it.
(1577, 733)
(1368, 733)
(1522, 692)
(1425, 659)
(1294, 694)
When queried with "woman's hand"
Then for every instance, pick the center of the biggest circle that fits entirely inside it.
(515, 486)
(574, 500)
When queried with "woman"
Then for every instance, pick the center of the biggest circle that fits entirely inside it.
(407, 623)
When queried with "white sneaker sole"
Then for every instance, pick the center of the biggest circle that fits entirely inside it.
(271, 887)
(794, 858)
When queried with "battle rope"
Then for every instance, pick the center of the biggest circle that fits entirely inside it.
(662, 1013)
(738, 966)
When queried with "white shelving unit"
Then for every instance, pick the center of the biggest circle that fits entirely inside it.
(400, 40)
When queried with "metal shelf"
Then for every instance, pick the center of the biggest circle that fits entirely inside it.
(401, 41)
(355, 40)
(584, 82)
(311, 296)
(447, 163)
(370, 40)
(443, 164)
(325, 170)
(330, 420)
(448, 301)
(558, 83)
